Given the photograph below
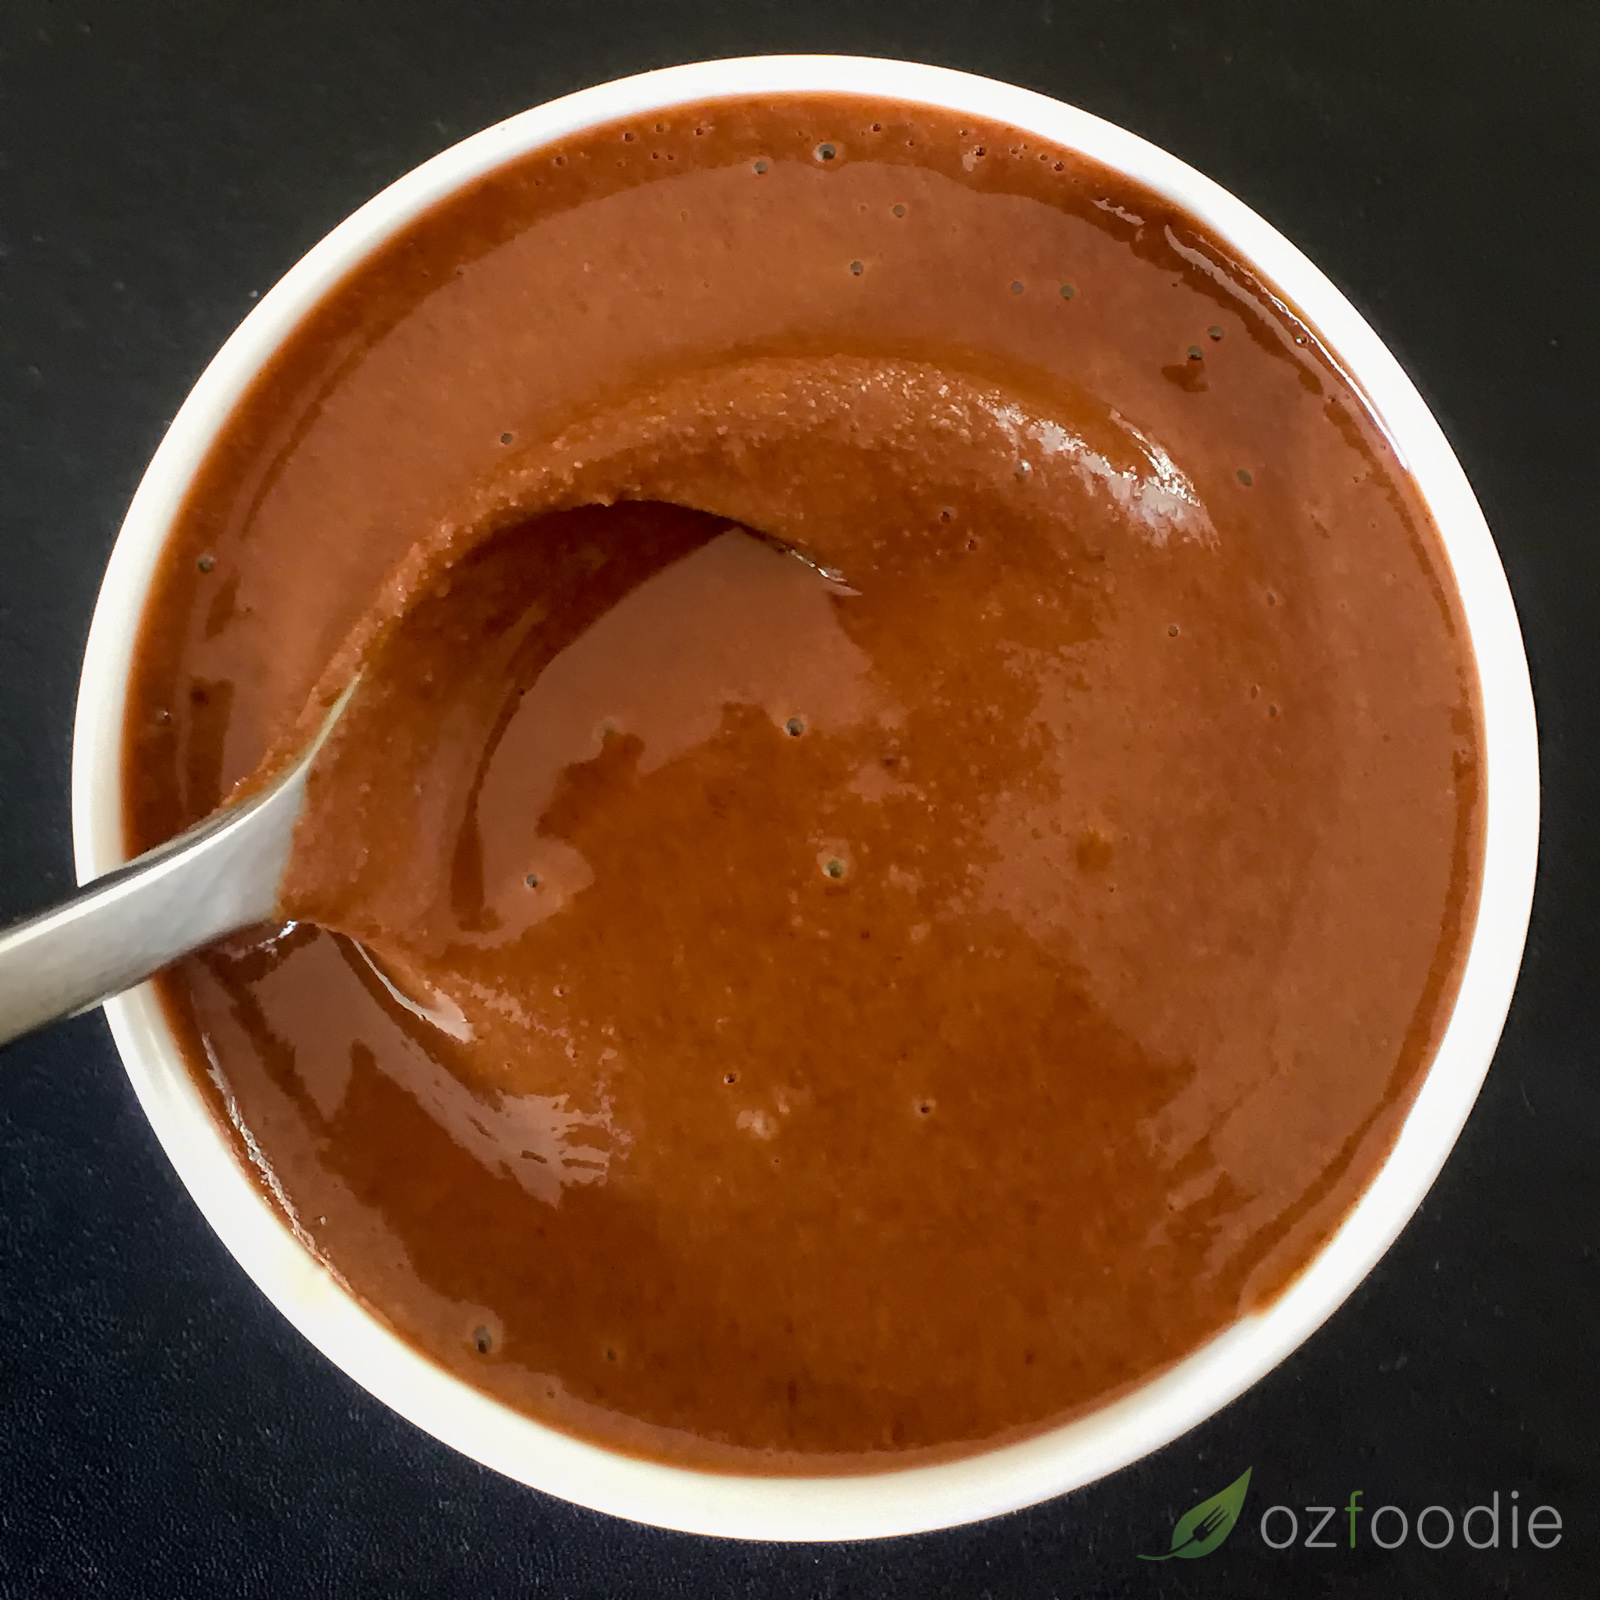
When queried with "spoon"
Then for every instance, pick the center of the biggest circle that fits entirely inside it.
(219, 876)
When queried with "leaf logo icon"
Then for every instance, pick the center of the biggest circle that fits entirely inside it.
(1200, 1531)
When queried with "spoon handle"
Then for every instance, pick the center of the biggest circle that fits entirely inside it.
(221, 875)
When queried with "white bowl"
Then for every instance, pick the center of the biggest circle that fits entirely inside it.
(924, 1497)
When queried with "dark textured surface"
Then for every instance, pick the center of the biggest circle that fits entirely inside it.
(164, 1432)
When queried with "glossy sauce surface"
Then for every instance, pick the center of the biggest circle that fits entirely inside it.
(914, 809)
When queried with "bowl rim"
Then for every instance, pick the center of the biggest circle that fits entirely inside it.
(262, 1234)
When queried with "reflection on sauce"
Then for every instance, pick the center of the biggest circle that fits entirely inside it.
(914, 809)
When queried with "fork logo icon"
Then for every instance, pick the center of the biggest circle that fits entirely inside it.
(1201, 1530)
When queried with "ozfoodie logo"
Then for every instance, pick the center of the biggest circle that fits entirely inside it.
(1495, 1524)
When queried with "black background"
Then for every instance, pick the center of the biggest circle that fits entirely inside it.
(162, 1430)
